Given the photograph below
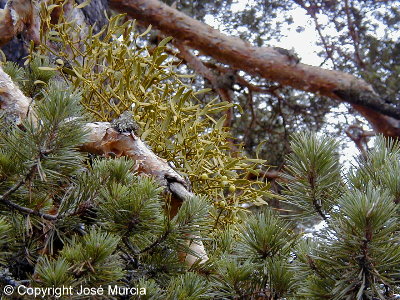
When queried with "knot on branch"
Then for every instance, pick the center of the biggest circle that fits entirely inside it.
(125, 123)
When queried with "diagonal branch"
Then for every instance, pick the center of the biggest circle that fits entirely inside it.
(104, 139)
(264, 62)
(22, 209)
(312, 13)
(354, 36)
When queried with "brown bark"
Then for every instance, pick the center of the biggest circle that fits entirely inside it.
(18, 16)
(264, 62)
(383, 124)
(360, 137)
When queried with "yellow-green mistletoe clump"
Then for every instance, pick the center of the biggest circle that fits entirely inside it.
(116, 72)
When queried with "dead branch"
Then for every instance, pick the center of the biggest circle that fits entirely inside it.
(13, 103)
(103, 140)
(312, 13)
(360, 137)
(106, 141)
(354, 36)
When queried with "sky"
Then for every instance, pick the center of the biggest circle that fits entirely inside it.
(304, 44)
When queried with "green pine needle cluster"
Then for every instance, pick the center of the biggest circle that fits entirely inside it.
(357, 254)
(116, 72)
(70, 219)
(314, 175)
(67, 220)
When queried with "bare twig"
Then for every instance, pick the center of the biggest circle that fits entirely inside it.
(328, 48)
(265, 62)
(22, 209)
(360, 137)
(354, 36)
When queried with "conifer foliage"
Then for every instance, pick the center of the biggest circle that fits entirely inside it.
(111, 227)
(67, 219)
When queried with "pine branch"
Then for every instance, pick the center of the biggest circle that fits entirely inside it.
(265, 62)
(30, 211)
(129, 246)
(14, 188)
(316, 203)
(126, 255)
(103, 139)
(156, 242)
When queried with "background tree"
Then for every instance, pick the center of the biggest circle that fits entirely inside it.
(346, 32)
(70, 220)
(347, 42)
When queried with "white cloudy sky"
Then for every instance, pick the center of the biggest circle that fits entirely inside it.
(304, 44)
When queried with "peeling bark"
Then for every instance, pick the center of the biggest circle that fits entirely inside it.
(19, 16)
(260, 61)
(106, 141)
(103, 139)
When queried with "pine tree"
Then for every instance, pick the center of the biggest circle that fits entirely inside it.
(77, 220)
(357, 254)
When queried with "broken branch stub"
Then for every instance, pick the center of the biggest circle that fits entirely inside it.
(14, 105)
(107, 141)
(104, 139)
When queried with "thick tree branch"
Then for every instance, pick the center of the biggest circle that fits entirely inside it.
(386, 125)
(14, 106)
(264, 62)
(103, 138)
(107, 141)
